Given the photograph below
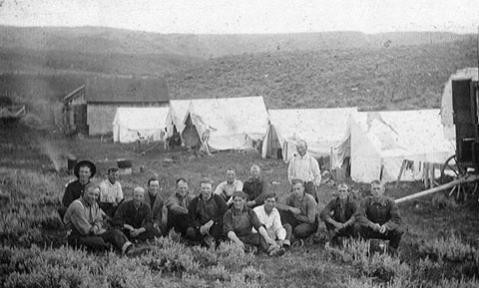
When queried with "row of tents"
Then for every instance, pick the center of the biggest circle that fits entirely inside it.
(374, 144)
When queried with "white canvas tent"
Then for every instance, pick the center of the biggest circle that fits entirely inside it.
(446, 102)
(322, 129)
(378, 142)
(176, 116)
(132, 123)
(225, 123)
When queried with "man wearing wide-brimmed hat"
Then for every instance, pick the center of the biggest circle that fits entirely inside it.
(84, 171)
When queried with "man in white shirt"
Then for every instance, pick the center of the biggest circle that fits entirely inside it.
(304, 167)
(226, 188)
(111, 193)
(270, 217)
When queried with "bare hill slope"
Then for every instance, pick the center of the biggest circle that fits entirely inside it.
(406, 77)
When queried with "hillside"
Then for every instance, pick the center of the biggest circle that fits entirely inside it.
(384, 78)
(97, 40)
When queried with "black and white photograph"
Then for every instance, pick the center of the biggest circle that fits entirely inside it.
(221, 143)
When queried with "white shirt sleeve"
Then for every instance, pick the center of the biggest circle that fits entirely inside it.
(316, 172)
(219, 188)
(119, 197)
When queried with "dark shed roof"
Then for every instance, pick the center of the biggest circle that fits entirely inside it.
(126, 90)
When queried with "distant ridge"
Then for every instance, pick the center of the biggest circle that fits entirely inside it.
(101, 40)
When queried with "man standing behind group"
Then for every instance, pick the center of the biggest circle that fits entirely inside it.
(379, 217)
(177, 205)
(206, 214)
(134, 217)
(303, 166)
(255, 187)
(340, 215)
(154, 200)
(226, 188)
(299, 213)
(84, 171)
(111, 193)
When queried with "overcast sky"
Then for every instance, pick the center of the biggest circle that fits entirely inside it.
(247, 16)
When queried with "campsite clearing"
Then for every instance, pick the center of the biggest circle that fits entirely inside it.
(427, 220)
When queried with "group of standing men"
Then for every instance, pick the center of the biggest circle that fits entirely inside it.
(247, 214)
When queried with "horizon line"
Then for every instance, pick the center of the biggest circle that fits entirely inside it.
(238, 33)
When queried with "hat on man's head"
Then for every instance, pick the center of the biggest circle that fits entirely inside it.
(82, 163)
(240, 194)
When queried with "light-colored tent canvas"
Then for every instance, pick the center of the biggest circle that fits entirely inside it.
(176, 116)
(322, 129)
(446, 102)
(226, 123)
(132, 123)
(378, 142)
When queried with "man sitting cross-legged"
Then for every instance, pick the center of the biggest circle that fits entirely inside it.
(135, 218)
(85, 219)
(299, 213)
(177, 205)
(238, 223)
(206, 216)
(379, 217)
(340, 216)
(269, 216)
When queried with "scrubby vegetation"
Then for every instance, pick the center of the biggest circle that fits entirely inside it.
(33, 251)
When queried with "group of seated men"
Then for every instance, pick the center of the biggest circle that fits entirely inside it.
(244, 213)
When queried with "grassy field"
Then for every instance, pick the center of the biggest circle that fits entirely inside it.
(438, 250)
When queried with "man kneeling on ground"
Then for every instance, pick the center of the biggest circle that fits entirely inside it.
(135, 218)
(379, 217)
(85, 219)
(299, 213)
(269, 216)
(340, 216)
(206, 214)
(238, 223)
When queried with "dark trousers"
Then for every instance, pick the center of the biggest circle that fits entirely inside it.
(216, 231)
(112, 237)
(254, 239)
(296, 228)
(178, 222)
(394, 236)
(350, 231)
(149, 234)
(108, 208)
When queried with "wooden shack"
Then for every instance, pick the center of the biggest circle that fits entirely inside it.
(90, 108)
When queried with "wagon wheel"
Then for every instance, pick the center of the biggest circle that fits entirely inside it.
(452, 170)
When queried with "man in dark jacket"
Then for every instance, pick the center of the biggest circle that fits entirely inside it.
(379, 217)
(206, 215)
(340, 215)
(135, 219)
(255, 187)
(84, 171)
(177, 205)
(154, 199)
